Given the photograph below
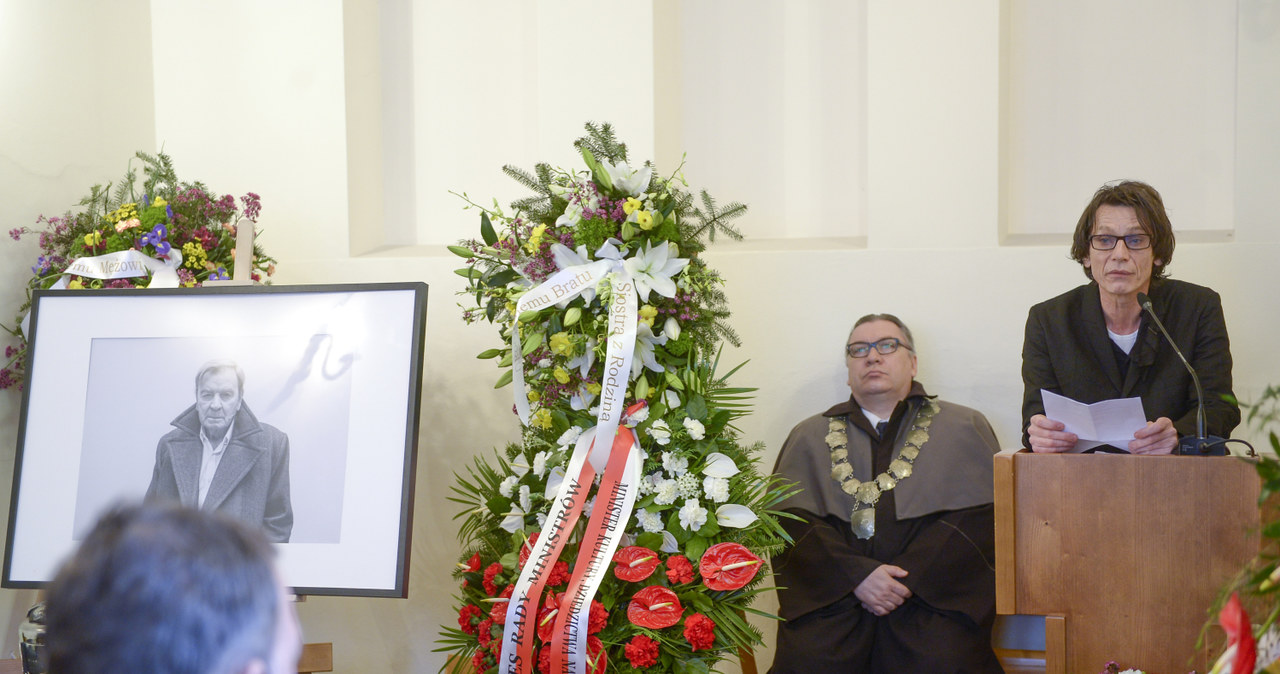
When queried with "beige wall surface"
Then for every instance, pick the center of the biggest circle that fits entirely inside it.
(901, 156)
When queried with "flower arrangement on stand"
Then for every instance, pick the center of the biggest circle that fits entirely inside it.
(128, 237)
(639, 553)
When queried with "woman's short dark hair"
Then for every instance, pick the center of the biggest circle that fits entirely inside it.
(1149, 207)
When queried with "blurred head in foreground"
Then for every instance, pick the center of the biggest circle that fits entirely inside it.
(171, 590)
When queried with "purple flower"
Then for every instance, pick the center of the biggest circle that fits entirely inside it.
(219, 275)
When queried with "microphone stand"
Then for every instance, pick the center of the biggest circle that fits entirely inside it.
(1202, 444)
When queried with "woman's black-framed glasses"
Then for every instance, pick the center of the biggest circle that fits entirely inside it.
(883, 347)
(1109, 241)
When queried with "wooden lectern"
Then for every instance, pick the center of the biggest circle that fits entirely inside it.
(1123, 555)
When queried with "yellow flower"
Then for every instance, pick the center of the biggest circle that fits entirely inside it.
(648, 312)
(560, 344)
(93, 239)
(159, 202)
(535, 238)
(542, 419)
(534, 396)
(593, 388)
(645, 220)
(561, 375)
(633, 204)
(75, 285)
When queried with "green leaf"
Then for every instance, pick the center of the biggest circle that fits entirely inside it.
(498, 505)
(500, 279)
(691, 666)
(462, 251)
(650, 540)
(695, 547)
(710, 528)
(486, 230)
(1271, 530)
(489, 353)
(506, 360)
(696, 407)
(466, 273)
(503, 380)
(510, 560)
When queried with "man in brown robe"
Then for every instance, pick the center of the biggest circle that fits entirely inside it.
(893, 566)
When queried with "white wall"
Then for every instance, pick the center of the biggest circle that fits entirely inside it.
(883, 146)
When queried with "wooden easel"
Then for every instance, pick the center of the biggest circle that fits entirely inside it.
(316, 657)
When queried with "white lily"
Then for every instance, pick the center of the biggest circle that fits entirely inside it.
(735, 516)
(566, 257)
(571, 217)
(582, 399)
(719, 465)
(652, 268)
(631, 181)
(587, 358)
(644, 353)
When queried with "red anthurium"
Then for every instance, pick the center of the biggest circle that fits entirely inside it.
(527, 548)
(498, 614)
(596, 660)
(655, 607)
(633, 564)
(728, 566)
(1239, 635)
(547, 615)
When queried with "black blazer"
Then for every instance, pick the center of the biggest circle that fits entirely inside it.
(1067, 351)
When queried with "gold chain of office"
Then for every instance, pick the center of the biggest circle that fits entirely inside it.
(866, 494)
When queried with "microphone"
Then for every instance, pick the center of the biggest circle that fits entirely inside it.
(1201, 444)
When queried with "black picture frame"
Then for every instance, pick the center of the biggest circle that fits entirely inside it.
(336, 368)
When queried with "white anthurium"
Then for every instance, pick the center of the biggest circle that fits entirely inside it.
(525, 501)
(671, 398)
(514, 520)
(555, 477)
(626, 179)
(735, 516)
(652, 268)
(520, 467)
(669, 544)
(719, 465)
(644, 352)
(671, 328)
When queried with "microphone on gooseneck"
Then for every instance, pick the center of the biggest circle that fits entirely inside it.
(1202, 444)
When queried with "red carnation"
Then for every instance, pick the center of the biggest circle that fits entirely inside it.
(597, 617)
(544, 659)
(478, 661)
(547, 615)
(466, 614)
(655, 607)
(484, 631)
(642, 651)
(633, 564)
(499, 611)
(679, 570)
(473, 564)
(700, 632)
(490, 587)
(596, 660)
(527, 548)
(559, 574)
(728, 566)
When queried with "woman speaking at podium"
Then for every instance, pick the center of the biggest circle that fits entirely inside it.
(1095, 342)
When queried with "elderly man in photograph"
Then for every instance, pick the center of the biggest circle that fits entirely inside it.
(893, 564)
(165, 589)
(220, 457)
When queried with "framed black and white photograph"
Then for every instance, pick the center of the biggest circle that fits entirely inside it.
(291, 408)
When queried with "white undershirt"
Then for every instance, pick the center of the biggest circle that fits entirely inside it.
(209, 460)
(1125, 342)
